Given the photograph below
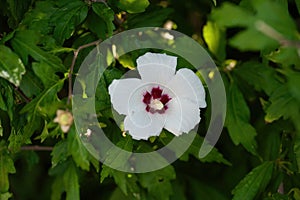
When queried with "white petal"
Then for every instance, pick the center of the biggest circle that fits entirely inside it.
(120, 92)
(157, 68)
(187, 85)
(182, 115)
(139, 132)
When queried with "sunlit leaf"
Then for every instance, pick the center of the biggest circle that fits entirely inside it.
(134, 6)
(214, 37)
(11, 66)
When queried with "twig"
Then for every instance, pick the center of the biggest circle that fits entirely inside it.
(95, 43)
(20, 92)
(272, 33)
(36, 148)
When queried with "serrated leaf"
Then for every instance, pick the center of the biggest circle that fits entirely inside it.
(237, 120)
(59, 153)
(287, 56)
(213, 156)
(67, 17)
(262, 77)
(66, 180)
(40, 106)
(38, 18)
(118, 159)
(78, 151)
(254, 182)
(71, 183)
(11, 66)
(122, 179)
(106, 14)
(158, 182)
(16, 140)
(134, 6)
(25, 44)
(283, 104)
(271, 13)
(215, 39)
(6, 167)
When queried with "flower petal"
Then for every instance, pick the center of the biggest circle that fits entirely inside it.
(120, 92)
(181, 116)
(186, 84)
(138, 131)
(156, 68)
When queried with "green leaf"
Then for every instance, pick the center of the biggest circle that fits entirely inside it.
(7, 95)
(38, 18)
(11, 66)
(227, 14)
(158, 183)
(78, 151)
(66, 180)
(237, 120)
(67, 17)
(16, 140)
(215, 39)
(17, 8)
(243, 42)
(43, 71)
(297, 150)
(298, 5)
(43, 105)
(25, 44)
(262, 77)
(213, 156)
(31, 85)
(124, 180)
(71, 183)
(5, 196)
(152, 18)
(59, 152)
(106, 14)
(287, 56)
(6, 167)
(254, 182)
(134, 6)
(283, 104)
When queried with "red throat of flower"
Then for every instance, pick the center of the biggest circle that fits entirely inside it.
(156, 102)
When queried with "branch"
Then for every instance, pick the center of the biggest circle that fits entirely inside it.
(36, 148)
(272, 33)
(95, 43)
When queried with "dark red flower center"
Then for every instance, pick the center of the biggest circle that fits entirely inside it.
(156, 101)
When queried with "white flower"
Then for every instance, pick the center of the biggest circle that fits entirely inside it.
(162, 98)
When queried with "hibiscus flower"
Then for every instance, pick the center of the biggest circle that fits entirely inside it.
(161, 98)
